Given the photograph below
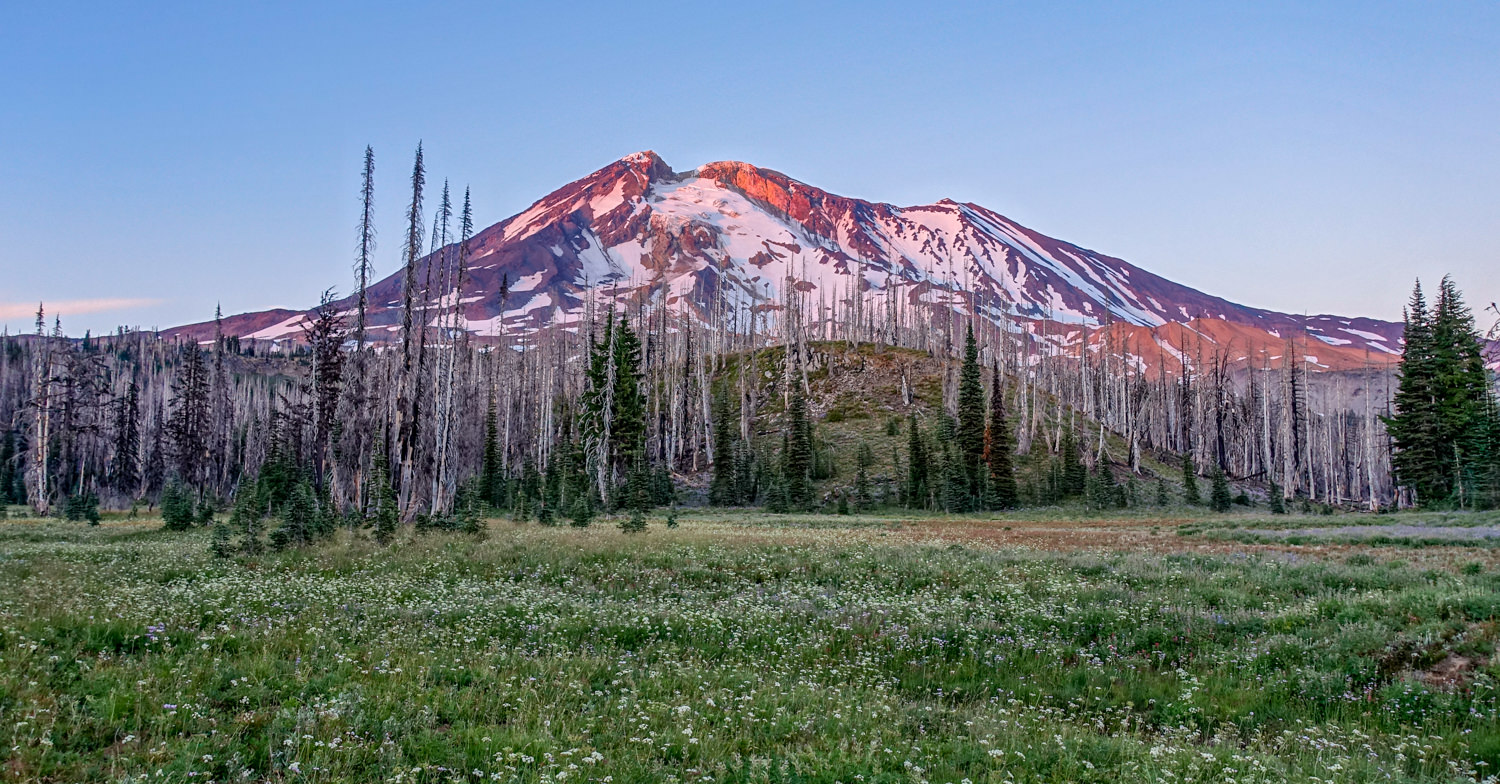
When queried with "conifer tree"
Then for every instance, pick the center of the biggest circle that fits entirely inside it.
(917, 468)
(1000, 449)
(1415, 428)
(492, 473)
(387, 513)
(798, 462)
(970, 430)
(176, 507)
(246, 519)
(222, 544)
(864, 458)
(125, 467)
(722, 490)
(1277, 498)
(1220, 498)
(1074, 476)
(1190, 494)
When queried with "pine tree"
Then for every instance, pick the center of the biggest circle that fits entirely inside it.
(1190, 494)
(628, 427)
(799, 453)
(387, 512)
(721, 491)
(1277, 498)
(970, 431)
(492, 473)
(1220, 498)
(1441, 430)
(1000, 449)
(864, 458)
(1415, 429)
(176, 507)
(1074, 476)
(221, 545)
(246, 519)
(1162, 498)
(917, 468)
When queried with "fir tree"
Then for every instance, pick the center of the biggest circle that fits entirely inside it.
(1415, 428)
(1277, 498)
(1074, 478)
(1220, 498)
(222, 544)
(970, 431)
(1000, 449)
(721, 491)
(1162, 498)
(917, 468)
(176, 507)
(298, 519)
(864, 458)
(246, 519)
(797, 468)
(1190, 494)
(492, 473)
(387, 513)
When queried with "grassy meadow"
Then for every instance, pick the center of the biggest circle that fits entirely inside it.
(754, 648)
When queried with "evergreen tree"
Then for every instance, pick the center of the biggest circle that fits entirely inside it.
(1000, 449)
(955, 491)
(917, 468)
(387, 513)
(125, 467)
(1277, 498)
(628, 427)
(1441, 430)
(222, 545)
(582, 510)
(1074, 477)
(469, 505)
(246, 519)
(1220, 497)
(797, 468)
(1415, 429)
(864, 458)
(492, 473)
(970, 430)
(722, 491)
(176, 507)
(1190, 494)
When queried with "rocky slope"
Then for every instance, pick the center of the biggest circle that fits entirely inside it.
(730, 235)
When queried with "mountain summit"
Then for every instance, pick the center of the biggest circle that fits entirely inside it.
(730, 236)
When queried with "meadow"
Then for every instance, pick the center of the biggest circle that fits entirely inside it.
(752, 648)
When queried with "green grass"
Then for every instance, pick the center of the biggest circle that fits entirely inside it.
(743, 647)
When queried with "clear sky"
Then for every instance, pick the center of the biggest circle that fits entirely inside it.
(157, 158)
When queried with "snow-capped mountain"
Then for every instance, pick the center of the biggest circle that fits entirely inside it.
(732, 235)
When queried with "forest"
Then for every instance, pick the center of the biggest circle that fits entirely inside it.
(659, 402)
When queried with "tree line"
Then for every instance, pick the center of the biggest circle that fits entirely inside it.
(434, 428)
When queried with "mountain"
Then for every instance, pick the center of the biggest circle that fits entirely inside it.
(730, 235)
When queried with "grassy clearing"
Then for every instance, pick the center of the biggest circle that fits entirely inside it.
(739, 648)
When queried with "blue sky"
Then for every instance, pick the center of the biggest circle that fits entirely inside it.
(158, 158)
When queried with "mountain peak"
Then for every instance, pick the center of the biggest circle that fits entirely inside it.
(728, 236)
